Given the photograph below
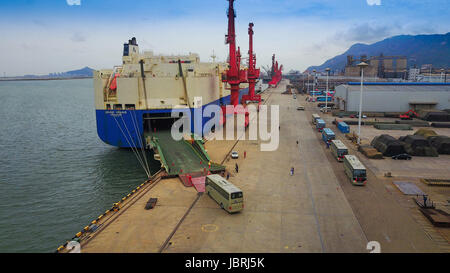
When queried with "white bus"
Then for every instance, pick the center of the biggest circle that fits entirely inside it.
(227, 195)
(315, 117)
(338, 149)
(355, 170)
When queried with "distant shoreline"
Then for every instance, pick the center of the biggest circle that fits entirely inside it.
(43, 79)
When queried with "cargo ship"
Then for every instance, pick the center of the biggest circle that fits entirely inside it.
(139, 96)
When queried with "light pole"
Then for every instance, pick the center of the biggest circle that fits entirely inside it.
(362, 65)
(308, 82)
(314, 85)
(326, 96)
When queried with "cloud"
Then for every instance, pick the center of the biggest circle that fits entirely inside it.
(73, 2)
(365, 33)
(78, 37)
(373, 2)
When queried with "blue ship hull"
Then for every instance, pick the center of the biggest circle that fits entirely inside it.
(125, 128)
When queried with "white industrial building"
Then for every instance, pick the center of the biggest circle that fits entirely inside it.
(393, 97)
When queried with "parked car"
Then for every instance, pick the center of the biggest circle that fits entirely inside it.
(234, 155)
(402, 157)
(301, 108)
(325, 109)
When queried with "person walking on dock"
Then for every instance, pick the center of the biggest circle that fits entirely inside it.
(228, 176)
(237, 168)
(245, 154)
(292, 171)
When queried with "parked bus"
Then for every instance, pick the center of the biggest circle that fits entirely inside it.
(315, 93)
(324, 98)
(315, 117)
(355, 170)
(320, 124)
(227, 195)
(339, 150)
(328, 135)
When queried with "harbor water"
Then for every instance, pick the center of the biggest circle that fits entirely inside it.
(56, 175)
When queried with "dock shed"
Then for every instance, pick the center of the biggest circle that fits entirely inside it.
(393, 97)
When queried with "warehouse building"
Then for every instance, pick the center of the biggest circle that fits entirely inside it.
(393, 97)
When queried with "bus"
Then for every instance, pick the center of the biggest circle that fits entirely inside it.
(355, 170)
(339, 150)
(227, 195)
(328, 135)
(315, 93)
(320, 124)
(324, 98)
(315, 117)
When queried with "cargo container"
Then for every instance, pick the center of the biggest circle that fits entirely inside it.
(343, 127)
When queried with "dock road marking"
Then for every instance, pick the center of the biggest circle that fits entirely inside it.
(210, 228)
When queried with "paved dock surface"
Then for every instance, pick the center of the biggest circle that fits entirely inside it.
(315, 210)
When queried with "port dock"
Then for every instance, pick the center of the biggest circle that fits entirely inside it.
(315, 210)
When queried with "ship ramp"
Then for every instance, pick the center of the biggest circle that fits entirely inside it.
(181, 157)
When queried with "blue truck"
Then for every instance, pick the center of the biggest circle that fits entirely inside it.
(343, 127)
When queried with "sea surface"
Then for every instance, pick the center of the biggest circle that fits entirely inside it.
(56, 175)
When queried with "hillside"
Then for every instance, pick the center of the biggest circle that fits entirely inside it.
(420, 49)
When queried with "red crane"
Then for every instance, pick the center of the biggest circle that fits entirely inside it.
(252, 73)
(234, 76)
(276, 72)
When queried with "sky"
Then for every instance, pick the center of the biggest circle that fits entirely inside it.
(41, 37)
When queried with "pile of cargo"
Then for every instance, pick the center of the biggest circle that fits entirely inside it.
(415, 123)
(393, 126)
(352, 137)
(440, 143)
(388, 145)
(426, 133)
(440, 124)
(418, 145)
(370, 152)
(434, 115)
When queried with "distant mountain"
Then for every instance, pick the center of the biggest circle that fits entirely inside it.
(420, 49)
(85, 72)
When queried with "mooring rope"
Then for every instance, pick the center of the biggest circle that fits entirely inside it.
(136, 129)
(134, 146)
(135, 153)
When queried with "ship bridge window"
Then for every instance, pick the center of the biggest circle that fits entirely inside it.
(117, 106)
(108, 106)
(130, 107)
